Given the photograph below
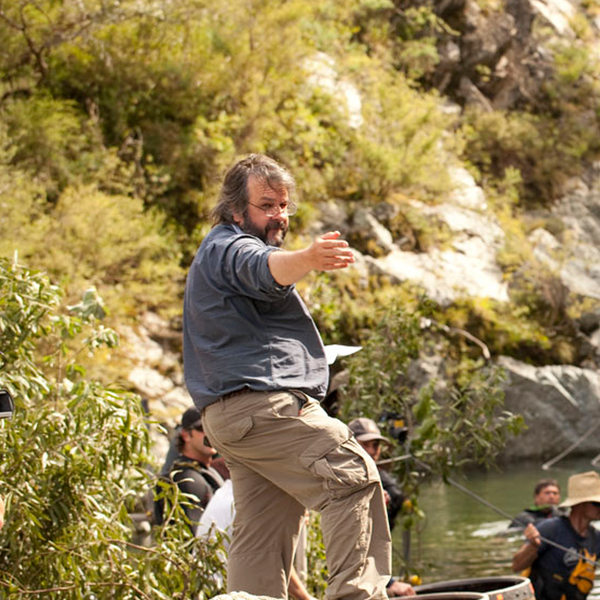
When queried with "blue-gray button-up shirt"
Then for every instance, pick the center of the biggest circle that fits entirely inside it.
(241, 328)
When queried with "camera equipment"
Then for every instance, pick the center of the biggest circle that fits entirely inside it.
(7, 407)
(394, 425)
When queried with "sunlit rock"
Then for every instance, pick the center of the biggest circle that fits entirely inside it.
(140, 346)
(576, 256)
(467, 267)
(463, 220)
(370, 228)
(449, 274)
(557, 13)
(559, 404)
(322, 73)
(333, 217)
(149, 382)
(466, 193)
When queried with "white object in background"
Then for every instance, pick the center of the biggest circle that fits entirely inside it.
(334, 351)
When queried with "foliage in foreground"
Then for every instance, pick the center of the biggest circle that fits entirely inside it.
(452, 423)
(74, 461)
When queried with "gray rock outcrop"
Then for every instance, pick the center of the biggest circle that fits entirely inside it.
(466, 266)
(560, 405)
(156, 374)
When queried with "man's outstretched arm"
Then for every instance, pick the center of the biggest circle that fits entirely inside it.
(326, 253)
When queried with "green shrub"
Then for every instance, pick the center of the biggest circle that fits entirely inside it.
(403, 141)
(516, 329)
(47, 137)
(548, 141)
(415, 51)
(91, 238)
(467, 427)
(75, 459)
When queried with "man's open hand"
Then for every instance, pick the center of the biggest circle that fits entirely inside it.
(328, 252)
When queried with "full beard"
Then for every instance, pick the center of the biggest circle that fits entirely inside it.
(263, 234)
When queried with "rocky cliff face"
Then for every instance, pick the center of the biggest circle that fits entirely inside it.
(560, 403)
(561, 406)
(504, 41)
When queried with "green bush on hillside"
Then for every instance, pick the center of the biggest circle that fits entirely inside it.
(91, 238)
(548, 141)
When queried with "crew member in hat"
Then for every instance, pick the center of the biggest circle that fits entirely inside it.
(565, 573)
(191, 470)
(367, 434)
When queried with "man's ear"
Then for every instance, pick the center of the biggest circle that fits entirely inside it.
(237, 219)
(185, 435)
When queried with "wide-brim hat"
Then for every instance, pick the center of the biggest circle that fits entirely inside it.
(366, 430)
(583, 487)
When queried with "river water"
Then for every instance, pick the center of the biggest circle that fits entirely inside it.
(462, 538)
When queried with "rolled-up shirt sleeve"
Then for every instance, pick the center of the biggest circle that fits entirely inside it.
(246, 270)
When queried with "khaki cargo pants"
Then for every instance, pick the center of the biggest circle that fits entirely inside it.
(282, 459)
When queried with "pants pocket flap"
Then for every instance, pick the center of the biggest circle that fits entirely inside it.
(236, 431)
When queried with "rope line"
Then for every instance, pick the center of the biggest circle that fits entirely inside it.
(572, 447)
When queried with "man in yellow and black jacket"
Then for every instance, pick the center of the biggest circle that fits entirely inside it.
(565, 572)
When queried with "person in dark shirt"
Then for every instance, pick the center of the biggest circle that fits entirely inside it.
(191, 470)
(546, 497)
(562, 551)
(367, 434)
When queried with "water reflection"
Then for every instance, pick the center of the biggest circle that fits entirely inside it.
(462, 538)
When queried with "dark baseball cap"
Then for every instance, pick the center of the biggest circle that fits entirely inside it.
(192, 417)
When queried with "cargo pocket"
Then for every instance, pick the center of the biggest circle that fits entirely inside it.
(234, 431)
(343, 469)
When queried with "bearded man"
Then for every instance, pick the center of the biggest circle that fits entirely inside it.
(255, 365)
